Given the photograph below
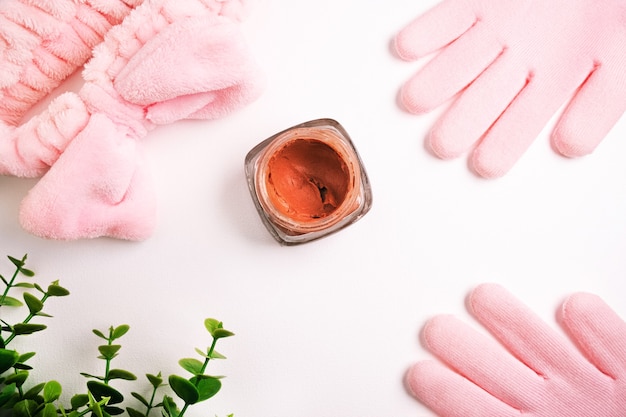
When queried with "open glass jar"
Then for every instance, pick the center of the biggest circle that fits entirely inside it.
(308, 181)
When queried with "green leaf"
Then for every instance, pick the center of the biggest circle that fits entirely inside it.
(191, 365)
(113, 411)
(8, 358)
(134, 413)
(7, 393)
(79, 400)
(221, 333)
(120, 331)
(101, 390)
(55, 290)
(201, 353)
(32, 393)
(28, 328)
(109, 351)
(22, 366)
(184, 389)
(17, 262)
(216, 328)
(49, 410)
(170, 407)
(207, 386)
(24, 408)
(214, 355)
(86, 375)
(155, 380)
(25, 356)
(24, 285)
(34, 304)
(121, 374)
(212, 325)
(27, 272)
(140, 398)
(99, 334)
(51, 391)
(17, 378)
(11, 302)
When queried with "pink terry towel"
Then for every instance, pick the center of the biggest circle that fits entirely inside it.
(168, 60)
(42, 42)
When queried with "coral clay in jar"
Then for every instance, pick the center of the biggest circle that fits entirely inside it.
(308, 181)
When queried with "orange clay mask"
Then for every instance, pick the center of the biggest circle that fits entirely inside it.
(308, 181)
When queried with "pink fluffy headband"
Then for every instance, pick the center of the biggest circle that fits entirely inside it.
(151, 62)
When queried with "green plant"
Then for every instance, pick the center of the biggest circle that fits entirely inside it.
(101, 398)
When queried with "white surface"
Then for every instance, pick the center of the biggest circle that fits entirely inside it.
(327, 328)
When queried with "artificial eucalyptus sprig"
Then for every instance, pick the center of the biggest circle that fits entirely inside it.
(98, 386)
(201, 386)
(35, 304)
(101, 399)
(156, 381)
(12, 393)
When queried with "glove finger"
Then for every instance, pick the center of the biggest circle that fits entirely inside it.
(528, 337)
(448, 394)
(513, 133)
(481, 359)
(434, 29)
(594, 110)
(471, 115)
(451, 70)
(598, 331)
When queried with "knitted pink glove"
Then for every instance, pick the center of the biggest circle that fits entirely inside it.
(535, 371)
(42, 42)
(168, 60)
(515, 63)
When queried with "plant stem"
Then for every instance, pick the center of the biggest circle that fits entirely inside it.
(208, 356)
(107, 367)
(84, 412)
(150, 406)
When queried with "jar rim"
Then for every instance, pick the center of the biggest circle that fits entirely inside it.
(336, 141)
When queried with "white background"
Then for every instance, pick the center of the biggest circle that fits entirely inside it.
(330, 327)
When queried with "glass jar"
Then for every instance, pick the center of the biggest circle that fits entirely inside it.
(308, 181)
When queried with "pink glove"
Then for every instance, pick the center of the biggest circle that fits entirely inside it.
(515, 63)
(168, 60)
(535, 371)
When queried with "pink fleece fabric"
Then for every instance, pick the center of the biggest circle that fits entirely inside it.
(509, 66)
(167, 60)
(42, 42)
(526, 367)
